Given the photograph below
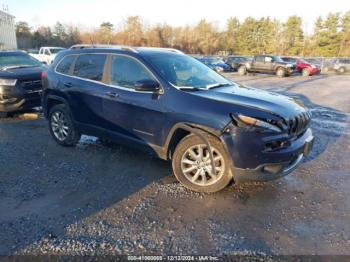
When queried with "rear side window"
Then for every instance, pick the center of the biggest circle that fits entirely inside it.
(127, 71)
(90, 66)
(65, 65)
(260, 58)
(344, 61)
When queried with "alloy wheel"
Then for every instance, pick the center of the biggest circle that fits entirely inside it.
(59, 125)
(196, 165)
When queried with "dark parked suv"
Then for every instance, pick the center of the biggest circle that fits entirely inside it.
(20, 82)
(213, 130)
(236, 61)
(267, 64)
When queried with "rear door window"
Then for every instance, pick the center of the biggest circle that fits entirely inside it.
(65, 65)
(90, 66)
(260, 59)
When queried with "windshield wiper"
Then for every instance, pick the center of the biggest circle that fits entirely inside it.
(191, 88)
(217, 85)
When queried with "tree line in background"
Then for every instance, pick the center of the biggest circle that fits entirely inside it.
(330, 37)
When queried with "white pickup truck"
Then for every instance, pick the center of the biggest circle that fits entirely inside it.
(47, 54)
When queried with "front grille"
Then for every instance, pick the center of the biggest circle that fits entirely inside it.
(298, 124)
(34, 85)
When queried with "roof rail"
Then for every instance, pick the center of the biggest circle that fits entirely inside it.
(174, 50)
(121, 47)
(162, 48)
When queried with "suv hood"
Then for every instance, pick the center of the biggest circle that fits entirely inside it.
(273, 103)
(28, 73)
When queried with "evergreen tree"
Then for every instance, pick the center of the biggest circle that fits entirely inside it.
(327, 36)
(105, 33)
(229, 37)
(292, 36)
(344, 49)
(24, 35)
(59, 34)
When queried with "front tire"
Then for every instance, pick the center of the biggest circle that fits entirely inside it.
(192, 166)
(61, 126)
(305, 72)
(281, 72)
(242, 70)
(341, 70)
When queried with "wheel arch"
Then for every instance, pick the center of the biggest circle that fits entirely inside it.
(280, 67)
(181, 130)
(52, 100)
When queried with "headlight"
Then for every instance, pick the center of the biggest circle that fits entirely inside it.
(250, 121)
(313, 66)
(8, 82)
(289, 65)
(219, 69)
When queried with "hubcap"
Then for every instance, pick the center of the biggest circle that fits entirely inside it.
(197, 168)
(59, 126)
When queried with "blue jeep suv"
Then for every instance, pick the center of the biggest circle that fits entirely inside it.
(213, 130)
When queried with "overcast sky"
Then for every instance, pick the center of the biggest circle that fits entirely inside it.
(91, 13)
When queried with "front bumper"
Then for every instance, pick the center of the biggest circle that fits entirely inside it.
(290, 70)
(251, 163)
(17, 98)
(315, 71)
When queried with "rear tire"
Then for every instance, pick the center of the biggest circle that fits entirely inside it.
(305, 72)
(341, 70)
(61, 126)
(242, 70)
(192, 166)
(281, 72)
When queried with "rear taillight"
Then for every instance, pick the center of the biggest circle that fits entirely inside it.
(43, 75)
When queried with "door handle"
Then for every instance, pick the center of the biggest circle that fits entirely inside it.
(69, 85)
(112, 94)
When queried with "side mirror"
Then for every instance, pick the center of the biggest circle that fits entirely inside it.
(147, 85)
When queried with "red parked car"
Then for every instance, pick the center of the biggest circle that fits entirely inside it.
(302, 66)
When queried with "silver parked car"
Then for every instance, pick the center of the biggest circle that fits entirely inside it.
(342, 65)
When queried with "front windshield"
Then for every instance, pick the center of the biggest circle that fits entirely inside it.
(303, 61)
(17, 60)
(186, 72)
(32, 51)
(55, 50)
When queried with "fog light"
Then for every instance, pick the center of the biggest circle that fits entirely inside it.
(273, 169)
(6, 99)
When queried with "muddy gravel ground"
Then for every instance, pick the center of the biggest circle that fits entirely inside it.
(98, 198)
